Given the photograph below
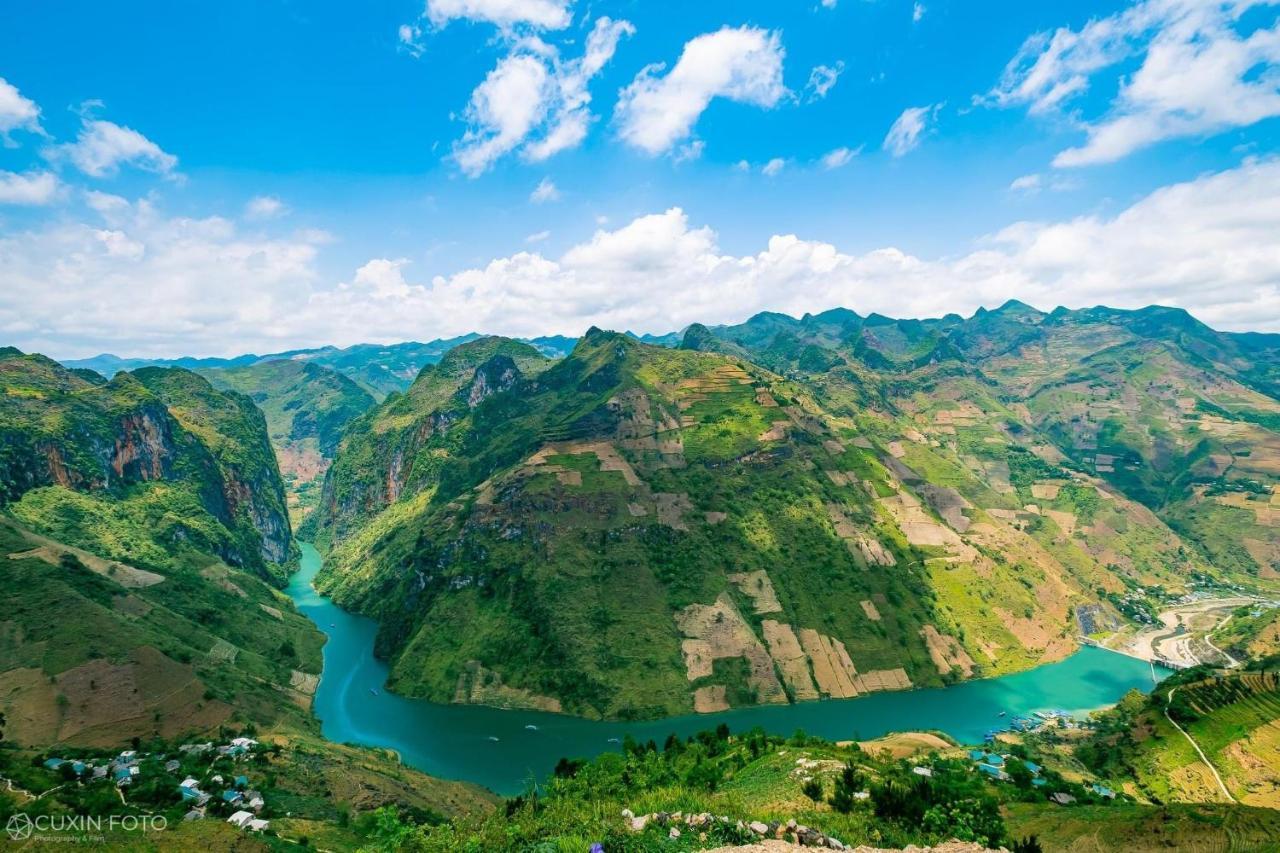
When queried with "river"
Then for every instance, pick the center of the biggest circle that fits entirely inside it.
(502, 750)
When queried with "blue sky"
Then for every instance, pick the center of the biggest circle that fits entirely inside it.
(387, 211)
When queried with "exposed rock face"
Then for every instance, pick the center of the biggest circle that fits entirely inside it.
(392, 452)
(61, 429)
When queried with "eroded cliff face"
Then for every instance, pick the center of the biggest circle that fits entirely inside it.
(402, 453)
(134, 447)
(152, 426)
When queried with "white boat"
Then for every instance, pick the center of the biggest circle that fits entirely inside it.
(531, 727)
(492, 738)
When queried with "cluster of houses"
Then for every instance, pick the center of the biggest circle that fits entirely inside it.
(992, 764)
(122, 769)
(125, 767)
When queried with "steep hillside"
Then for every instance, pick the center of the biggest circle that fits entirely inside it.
(307, 407)
(398, 449)
(1158, 407)
(639, 531)
(142, 467)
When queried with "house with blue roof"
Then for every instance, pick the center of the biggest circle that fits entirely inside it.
(1103, 791)
(995, 760)
(123, 777)
(977, 755)
(54, 763)
(241, 781)
(232, 797)
(993, 771)
(78, 767)
(1033, 767)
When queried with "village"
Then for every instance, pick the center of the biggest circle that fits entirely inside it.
(211, 780)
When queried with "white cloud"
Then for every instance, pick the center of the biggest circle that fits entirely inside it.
(30, 188)
(16, 113)
(541, 14)
(917, 12)
(535, 101)
(773, 167)
(537, 237)
(838, 157)
(906, 133)
(1026, 184)
(742, 166)
(1200, 70)
(656, 112)
(545, 191)
(152, 285)
(822, 78)
(382, 279)
(265, 207)
(410, 38)
(828, 4)
(103, 146)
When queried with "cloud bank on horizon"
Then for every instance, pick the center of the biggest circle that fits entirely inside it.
(106, 246)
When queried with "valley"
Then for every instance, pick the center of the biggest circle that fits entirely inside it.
(530, 560)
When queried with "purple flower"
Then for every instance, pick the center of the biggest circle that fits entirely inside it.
(597, 848)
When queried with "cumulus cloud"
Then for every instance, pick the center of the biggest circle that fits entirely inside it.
(656, 112)
(838, 157)
(822, 78)
(534, 100)
(142, 282)
(30, 188)
(537, 237)
(541, 14)
(1199, 69)
(16, 113)
(907, 131)
(773, 167)
(917, 12)
(265, 207)
(102, 147)
(545, 191)
(148, 284)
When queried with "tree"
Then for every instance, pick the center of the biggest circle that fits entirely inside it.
(813, 790)
(1030, 844)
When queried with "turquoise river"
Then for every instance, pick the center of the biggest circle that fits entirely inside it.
(503, 750)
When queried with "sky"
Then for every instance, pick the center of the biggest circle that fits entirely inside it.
(258, 175)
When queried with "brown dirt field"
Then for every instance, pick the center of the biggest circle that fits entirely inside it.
(832, 667)
(776, 432)
(903, 744)
(108, 702)
(869, 608)
(1065, 520)
(764, 398)
(757, 586)
(569, 478)
(1045, 491)
(790, 658)
(717, 631)
(716, 517)
(882, 679)
(946, 651)
(709, 699)
(671, 509)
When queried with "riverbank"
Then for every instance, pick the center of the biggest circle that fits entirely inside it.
(1183, 637)
(503, 750)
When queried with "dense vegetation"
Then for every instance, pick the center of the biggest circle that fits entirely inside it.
(940, 498)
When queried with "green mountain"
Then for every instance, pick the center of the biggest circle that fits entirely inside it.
(1162, 409)
(138, 468)
(378, 368)
(636, 531)
(307, 407)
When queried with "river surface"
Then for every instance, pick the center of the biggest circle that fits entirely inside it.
(502, 750)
